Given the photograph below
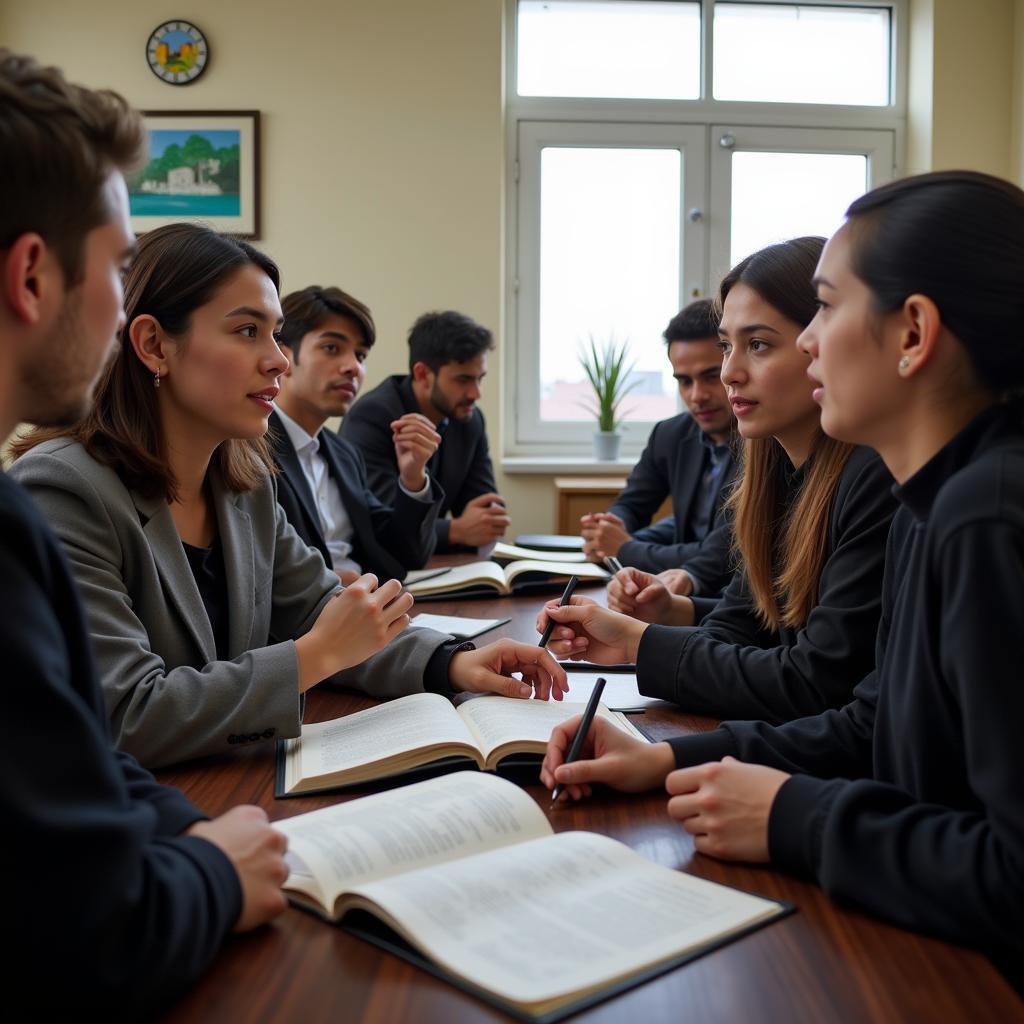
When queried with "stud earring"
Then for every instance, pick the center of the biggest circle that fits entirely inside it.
(905, 363)
(156, 379)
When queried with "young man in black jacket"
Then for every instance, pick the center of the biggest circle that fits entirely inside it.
(688, 457)
(323, 487)
(447, 364)
(122, 887)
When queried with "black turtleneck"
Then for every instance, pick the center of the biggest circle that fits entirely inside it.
(912, 804)
(731, 665)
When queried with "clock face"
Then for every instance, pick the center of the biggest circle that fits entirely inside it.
(177, 52)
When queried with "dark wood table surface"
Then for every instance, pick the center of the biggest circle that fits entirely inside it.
(823, 963)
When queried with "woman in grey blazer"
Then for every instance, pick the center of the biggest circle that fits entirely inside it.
(209, 616)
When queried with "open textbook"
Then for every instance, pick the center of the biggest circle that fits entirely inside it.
(487, 579)
(418, 730)
(463, 875)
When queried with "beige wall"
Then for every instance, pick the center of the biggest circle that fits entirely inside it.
(965, 85)
(382, 159)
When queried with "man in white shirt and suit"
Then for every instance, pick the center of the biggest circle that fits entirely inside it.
(323, 488)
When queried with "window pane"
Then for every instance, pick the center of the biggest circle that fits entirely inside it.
(776, 196)
(614, 48)
(798, 53)
(609, 269)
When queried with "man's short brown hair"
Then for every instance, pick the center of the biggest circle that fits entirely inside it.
(58, 144)
(306, 310)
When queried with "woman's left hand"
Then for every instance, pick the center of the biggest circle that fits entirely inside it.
(489, 670)
(725, 805)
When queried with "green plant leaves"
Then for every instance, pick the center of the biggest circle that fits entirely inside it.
(608, 374)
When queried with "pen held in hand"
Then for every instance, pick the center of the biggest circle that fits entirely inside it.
(612, 564)
(581, 733)
(562, 601)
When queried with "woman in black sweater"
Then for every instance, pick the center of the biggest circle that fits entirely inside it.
(795, 629)
(908, 801)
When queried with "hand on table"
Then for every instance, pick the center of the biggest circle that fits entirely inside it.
(586, 631)
(645, 597)
(608, 755)
(256, 852)
(483, 520)
(725, 806)
(489, 670)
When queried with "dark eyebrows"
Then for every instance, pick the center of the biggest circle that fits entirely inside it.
(749, 329)
(256, 314)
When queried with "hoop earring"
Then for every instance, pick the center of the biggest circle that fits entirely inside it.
(905, 363)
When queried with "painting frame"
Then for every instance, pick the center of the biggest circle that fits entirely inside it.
(210, 191)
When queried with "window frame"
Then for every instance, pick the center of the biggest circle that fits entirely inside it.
(526, 436)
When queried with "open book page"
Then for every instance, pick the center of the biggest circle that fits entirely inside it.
(412, 827)
(620, 691)
(399, 726)
(509, 552)
(496, 721)
(566, 914)
(457, 625)
(582, 570)
(461, 576)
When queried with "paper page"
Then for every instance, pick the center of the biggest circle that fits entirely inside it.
(558, 915)
(419, 720)
(460, 575)
(511, 551)
(457, 625)
(584, 570)
(620, 689)
(412, 827)
(498, 720)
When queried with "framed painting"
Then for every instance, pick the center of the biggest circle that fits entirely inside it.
(203, 167)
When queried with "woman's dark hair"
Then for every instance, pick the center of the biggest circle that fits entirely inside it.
(178, 268)
(784, 589)
(958, 238)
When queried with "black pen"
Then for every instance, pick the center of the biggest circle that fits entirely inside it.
(612, 564)
(581, 732)
(563, 600)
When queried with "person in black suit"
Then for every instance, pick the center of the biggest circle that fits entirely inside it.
(124, 892)
(447, 363)
(323, 487)
(688, 457)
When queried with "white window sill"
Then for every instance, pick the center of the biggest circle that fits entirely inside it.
(566, 465)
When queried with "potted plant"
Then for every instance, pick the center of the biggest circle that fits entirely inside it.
(608, 374)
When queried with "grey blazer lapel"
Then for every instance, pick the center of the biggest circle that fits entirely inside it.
(173, 569)
(236, 538)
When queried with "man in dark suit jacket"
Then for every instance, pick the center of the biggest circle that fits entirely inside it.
(323, 488)
(688, 457)
(122, 888)
(447, 362)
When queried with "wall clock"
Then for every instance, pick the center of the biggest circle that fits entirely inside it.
(177, 52)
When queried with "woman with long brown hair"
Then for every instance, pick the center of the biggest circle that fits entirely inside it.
(209, 616)
(794, 631)
(907, 801)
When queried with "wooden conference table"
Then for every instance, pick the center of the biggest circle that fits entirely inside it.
(824, 963)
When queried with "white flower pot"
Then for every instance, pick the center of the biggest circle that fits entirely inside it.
(606, 445)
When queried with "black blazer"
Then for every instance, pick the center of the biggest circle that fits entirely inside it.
(387, 540)
(671, 464)
(101, 864)
(462, 464)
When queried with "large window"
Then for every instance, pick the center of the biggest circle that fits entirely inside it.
(652, 145)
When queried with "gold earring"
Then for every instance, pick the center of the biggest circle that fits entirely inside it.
(905, 363)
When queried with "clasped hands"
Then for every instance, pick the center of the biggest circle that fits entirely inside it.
(603, 534)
